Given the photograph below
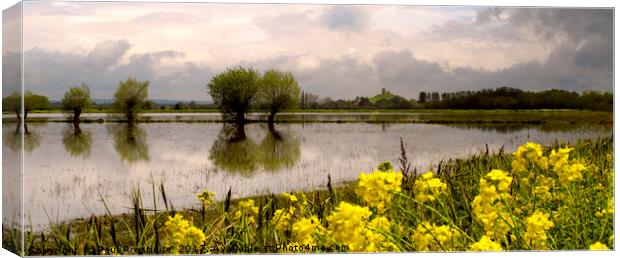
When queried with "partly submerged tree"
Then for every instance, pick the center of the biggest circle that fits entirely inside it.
(130, 97)
(278, 90)
(76, 99)
(233, 92)
(13, 103)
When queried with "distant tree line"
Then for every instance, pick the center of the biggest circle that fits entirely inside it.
(499, 98)
(511, 98)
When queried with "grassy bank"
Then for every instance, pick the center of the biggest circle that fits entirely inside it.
(557, 197)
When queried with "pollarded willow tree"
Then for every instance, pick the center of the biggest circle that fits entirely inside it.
(13, 103)
(233, 92)
(130, 97)
(278, 91)
(76, 99)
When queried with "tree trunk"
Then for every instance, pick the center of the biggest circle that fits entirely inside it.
(76, 117)
(271, 127)
(130, 117)
(272, 118)
(240, 133)
(24, 121)
(240, 118)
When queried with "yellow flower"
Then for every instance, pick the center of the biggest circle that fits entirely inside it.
(488, 206)
(608, 210)
(306, 230)
(291, 197)
(381, 223)
(502, 179)
(282, 218)
(536, 230)
(246, 210)
(347, 221)
(559, 156)
(205, 197)
(429, 237)
(598, 246)
(180, 233)
(349, 225)
(485, 244)
(428, 188)
(377, 188)
(529, 153)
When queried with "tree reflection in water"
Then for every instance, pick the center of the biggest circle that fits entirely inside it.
(130, 142)
(279, 150)
(235, 153)
(77, 142)
(32, 139)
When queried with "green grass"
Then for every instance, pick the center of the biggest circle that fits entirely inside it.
(575, 228)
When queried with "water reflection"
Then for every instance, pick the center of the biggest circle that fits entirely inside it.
(130, 142)
(279, 150)
(77, 142)
(233, 151)
(236, 153)
(32, 139)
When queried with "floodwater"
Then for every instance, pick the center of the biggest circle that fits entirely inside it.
(68, 173)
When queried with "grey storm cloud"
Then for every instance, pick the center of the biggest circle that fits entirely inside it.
(407, 75)
(345, 18)
(51, 72)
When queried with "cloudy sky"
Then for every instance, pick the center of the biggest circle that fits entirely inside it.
(336, 51)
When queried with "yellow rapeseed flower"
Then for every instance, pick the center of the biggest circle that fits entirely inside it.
(536, 228)
(290, 197)
(349, 225)
(377, 188)
(559, 156)
(282, 218)
(428, 188)
(347, 221)
(598, 246)
(430, 237)
(306, 230)
(205, 197)
(607, 210)
(179, 233)
(485, 244)
(246, 210)
(488, 206)
(528, 153)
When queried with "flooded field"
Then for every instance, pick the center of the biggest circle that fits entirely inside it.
(67, 174)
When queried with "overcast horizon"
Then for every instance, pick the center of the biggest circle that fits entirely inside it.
(337, 51)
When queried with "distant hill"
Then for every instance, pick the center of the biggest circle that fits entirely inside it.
(385, 96)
